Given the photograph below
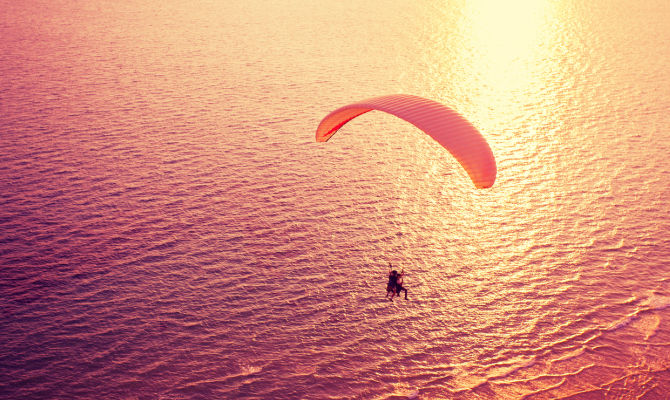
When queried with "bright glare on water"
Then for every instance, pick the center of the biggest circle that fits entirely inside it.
(169, 229)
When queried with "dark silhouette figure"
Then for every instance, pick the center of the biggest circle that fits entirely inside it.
(394, 286)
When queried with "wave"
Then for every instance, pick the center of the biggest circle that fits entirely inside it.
(586, 356)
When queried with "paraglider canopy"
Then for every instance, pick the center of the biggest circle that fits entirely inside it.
(443, 124)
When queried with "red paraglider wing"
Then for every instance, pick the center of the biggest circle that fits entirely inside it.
(443, 124)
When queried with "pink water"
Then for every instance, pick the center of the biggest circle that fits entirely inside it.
(169, 229)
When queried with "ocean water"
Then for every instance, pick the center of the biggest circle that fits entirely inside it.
(169, 229)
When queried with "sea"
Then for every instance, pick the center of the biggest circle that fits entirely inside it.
(170, 228)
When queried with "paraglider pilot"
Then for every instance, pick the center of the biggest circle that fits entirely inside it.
(394, 286)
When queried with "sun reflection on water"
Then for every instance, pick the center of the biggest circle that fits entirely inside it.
(507, 55)
(504, 32)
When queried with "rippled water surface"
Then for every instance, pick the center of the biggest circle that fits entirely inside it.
(169, 229)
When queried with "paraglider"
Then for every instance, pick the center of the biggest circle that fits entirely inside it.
(443, 124)
(395, 284)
